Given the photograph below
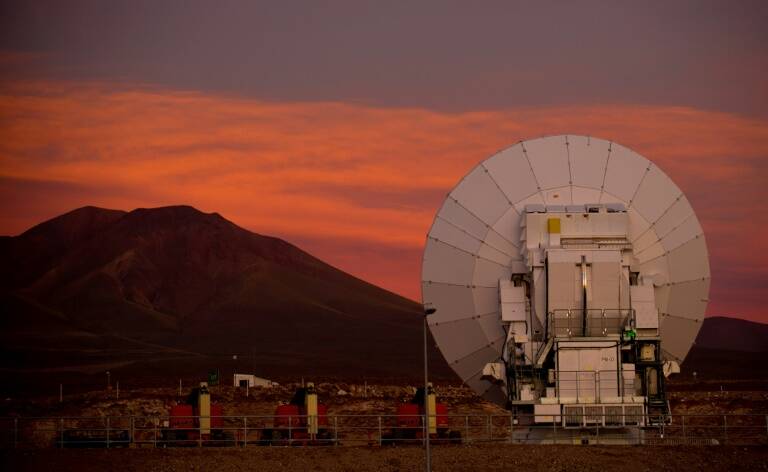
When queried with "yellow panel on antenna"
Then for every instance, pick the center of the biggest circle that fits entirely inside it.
(553, 225)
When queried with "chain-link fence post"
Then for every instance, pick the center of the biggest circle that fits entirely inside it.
(466, 427)
(554, 429)
(685, 437)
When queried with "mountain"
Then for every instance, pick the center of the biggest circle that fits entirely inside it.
(173, 289)
(720, 332)
(726, 349)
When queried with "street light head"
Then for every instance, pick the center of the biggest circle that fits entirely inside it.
(429, 311)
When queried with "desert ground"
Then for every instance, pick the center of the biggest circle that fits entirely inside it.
(353, 459)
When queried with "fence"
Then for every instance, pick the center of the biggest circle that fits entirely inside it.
(374, 430)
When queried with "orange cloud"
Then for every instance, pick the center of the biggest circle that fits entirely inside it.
(345, 179)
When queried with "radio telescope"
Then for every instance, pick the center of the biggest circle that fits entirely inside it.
(567, 272)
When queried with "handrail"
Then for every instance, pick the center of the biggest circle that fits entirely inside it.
(600, 322)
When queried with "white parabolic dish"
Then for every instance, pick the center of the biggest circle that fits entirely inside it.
(475, 240)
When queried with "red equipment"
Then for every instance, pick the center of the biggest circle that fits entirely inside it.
(296, 416)
(302, 421)
(410, 421)
(194, 421)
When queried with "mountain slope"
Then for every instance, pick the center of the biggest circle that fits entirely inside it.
(720, 332)
(39, 248)
(187, 281)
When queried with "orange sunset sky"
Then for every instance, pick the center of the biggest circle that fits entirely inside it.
(342, 138)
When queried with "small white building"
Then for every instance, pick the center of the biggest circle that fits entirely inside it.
(250, 380)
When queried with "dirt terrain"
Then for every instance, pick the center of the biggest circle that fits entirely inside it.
(447, 458)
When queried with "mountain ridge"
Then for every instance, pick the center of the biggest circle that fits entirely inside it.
(186, 280)
(733, 334)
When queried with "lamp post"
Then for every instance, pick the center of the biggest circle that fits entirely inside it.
(428, 310)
